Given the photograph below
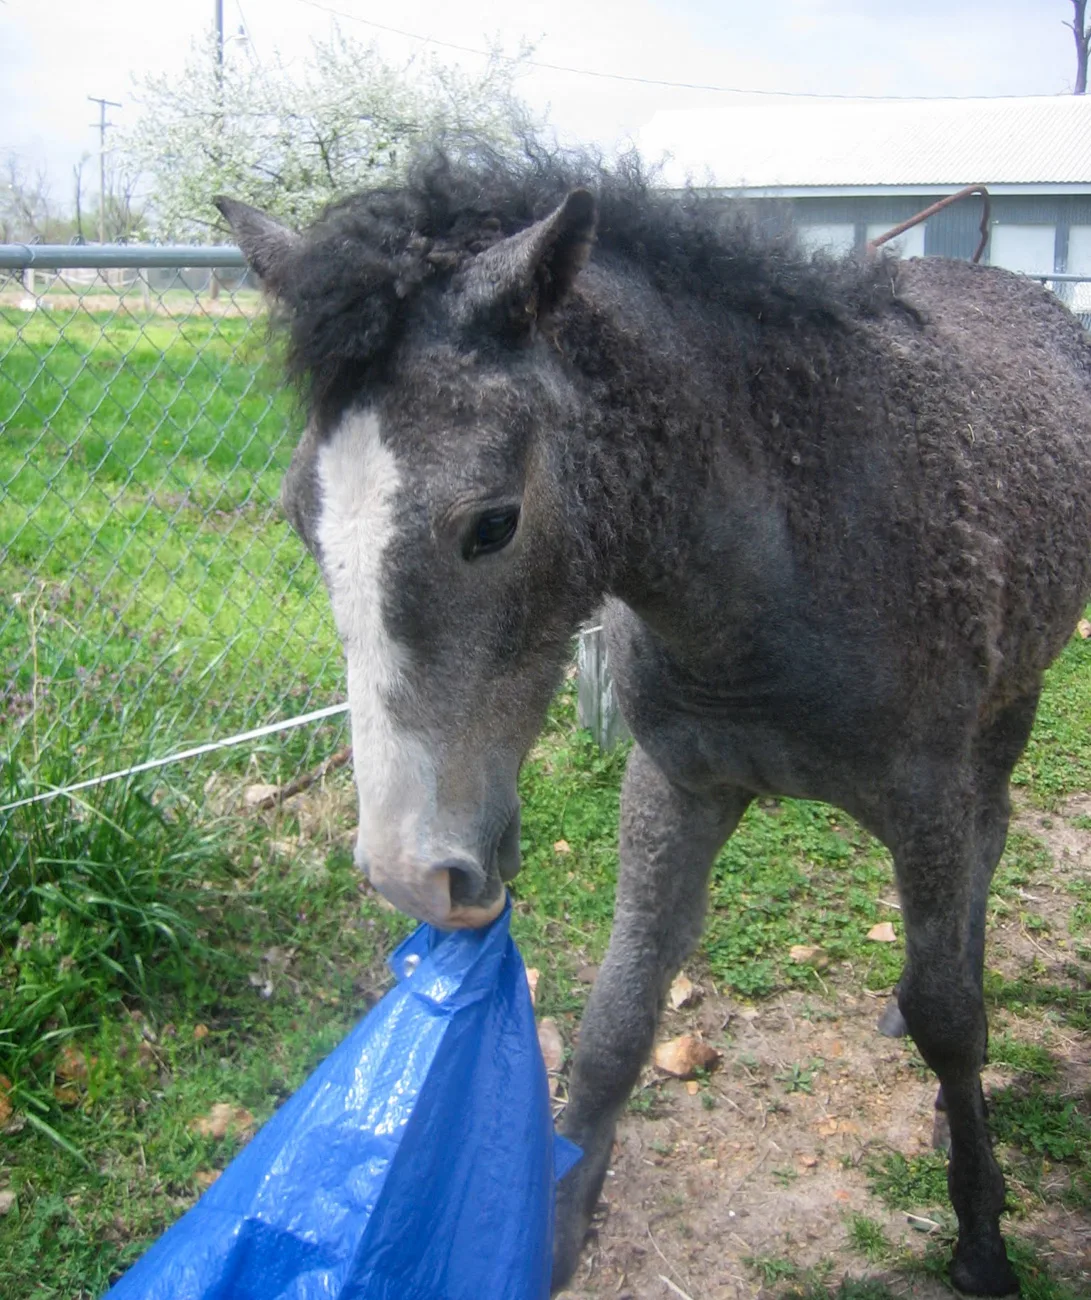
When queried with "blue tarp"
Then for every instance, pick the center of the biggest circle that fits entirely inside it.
(416, 1163)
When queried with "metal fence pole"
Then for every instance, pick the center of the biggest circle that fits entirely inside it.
(596, 699)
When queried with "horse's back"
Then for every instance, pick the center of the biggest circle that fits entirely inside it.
(1003, 406)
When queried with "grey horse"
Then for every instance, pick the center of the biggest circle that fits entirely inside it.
(838, 514)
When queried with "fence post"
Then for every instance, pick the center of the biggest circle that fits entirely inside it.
(596, 700)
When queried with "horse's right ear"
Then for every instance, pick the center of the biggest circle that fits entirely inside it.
(266, 244)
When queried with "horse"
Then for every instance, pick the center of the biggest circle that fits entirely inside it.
(836, 513)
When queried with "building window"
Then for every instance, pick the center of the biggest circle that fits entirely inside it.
(1021, 248)
(909, 244)
(1079, 250)
(837, 237)
(1078, 296)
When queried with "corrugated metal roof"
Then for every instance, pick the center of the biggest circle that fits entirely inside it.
(1042, 140)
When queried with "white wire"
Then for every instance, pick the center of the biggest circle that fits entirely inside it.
(270, 729)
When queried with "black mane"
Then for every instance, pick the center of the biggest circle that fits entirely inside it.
(358, 269)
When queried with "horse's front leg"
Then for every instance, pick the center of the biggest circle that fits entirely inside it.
(669, 838)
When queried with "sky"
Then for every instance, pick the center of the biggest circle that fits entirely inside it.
(55, 53)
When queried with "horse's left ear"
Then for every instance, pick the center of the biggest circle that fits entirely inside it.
(267, 245)
(531, 272)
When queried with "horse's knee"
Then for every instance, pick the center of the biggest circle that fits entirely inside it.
(945, 1016)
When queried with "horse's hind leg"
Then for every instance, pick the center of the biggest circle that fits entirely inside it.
(669, 838)
(995, 755)
(943, 881)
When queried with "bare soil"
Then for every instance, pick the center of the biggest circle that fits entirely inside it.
(749, 1166)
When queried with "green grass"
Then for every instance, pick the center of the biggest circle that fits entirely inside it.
(149, 588)
(1057, 762)
(1043, 1122)
(147, 566)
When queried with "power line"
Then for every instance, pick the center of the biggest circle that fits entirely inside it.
(640, 81)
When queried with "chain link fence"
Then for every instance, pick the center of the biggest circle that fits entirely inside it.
(152, 598)
(151, 595)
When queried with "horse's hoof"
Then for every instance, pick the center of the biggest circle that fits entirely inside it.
(984, 1272)
(571, 1225)
(892, 1022)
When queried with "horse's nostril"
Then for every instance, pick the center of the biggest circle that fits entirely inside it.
(466, 881)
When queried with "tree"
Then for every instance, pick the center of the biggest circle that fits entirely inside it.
(290, 140)
(1082, 35)
(123, 217)
(26, 208)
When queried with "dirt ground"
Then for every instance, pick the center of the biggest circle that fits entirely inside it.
(748, 1166)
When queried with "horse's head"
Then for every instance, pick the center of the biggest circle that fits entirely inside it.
(429, 487)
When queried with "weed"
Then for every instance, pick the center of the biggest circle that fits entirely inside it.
(1043, 1122)
(909, 1184)
(867, 1238)
(771, 1268)
(104, 901)
(799, 1078)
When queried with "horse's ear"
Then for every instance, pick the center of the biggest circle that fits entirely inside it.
(266, 244)
(531, 272)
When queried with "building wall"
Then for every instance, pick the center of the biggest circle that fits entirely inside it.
(1025, 222)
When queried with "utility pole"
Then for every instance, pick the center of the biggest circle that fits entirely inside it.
(102, 125)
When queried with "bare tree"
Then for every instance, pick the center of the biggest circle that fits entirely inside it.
(123, 212)
(77, 177)
(25, 209)
(1082, 36)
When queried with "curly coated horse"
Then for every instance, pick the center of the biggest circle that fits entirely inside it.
(838, 513)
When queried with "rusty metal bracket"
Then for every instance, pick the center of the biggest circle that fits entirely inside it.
(873, 244)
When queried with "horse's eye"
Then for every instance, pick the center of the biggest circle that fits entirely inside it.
(492, 532)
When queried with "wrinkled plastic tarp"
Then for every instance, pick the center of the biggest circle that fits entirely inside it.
(416, 1163)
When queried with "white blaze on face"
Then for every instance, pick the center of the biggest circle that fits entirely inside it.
(358, 480)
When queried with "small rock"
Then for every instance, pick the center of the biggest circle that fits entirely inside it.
(551, 1043)
(7, 1201)
(1083, 627)
(682, 992)
(805, 954)
(882, 933)
(255, 794)
(562, 846)
(682, 1057)
(71, 1065)
(224, 1118)
(532, 983)
(199, 1032)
